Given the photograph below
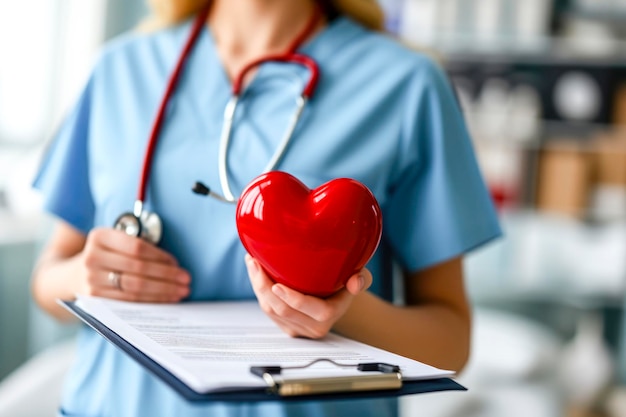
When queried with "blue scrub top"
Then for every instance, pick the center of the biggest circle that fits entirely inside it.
(382, 114)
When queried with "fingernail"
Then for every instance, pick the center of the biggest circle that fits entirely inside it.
(252, 266)
(278, 291)
(183, 277)
(361, 280)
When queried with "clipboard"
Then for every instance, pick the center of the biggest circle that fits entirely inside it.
(272, 391)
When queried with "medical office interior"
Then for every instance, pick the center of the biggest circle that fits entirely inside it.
(542, 84)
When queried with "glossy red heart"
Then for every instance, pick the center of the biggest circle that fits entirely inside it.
(310, 240)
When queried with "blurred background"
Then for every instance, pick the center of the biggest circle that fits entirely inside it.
(542, 84)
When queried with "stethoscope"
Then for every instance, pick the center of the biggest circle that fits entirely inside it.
(148, 225)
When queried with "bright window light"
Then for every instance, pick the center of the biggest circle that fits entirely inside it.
(46, 48)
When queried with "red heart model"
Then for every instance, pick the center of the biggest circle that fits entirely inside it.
(310, 240)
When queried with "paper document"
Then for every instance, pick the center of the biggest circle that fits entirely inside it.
(210, 346)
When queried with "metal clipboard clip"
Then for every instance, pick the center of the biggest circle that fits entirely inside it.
(387, 377)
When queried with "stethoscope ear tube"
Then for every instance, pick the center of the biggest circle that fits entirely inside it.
(229, 115)
(231, 108)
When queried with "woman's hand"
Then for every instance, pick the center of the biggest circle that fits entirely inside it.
(303, 315)
(144, 272)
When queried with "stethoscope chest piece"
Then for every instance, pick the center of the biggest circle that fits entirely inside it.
(147, 226)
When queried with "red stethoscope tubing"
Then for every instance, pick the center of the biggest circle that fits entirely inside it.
(303, 60)
(169, 91)
(289, 56)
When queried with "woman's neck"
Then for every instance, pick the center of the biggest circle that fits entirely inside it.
(245, 30)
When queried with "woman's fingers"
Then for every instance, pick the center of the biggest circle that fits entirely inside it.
(127, 268)
(360, 281)
(120, 262)
(118, 241)
(125, 296)
(324, 309)
(261, 284)
(299, 314)
(318, 309)
(290, 321)
(139, 284)
(293, 329)
(134, 287)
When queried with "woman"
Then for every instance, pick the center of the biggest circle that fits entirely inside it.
(382, 114)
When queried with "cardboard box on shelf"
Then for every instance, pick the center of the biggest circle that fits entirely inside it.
(619, 105)
(608, 200)
(609, 153)
(564, 178)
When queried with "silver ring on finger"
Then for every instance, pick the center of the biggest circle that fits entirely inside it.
(115, 279)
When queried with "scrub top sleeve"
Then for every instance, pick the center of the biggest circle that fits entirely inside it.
(63, 177)
(438, 207)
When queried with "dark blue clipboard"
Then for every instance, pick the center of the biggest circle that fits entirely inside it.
(250, 394)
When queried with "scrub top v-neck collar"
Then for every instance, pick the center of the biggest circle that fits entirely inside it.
(309, 47)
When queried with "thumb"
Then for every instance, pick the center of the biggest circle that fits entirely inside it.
(360, 281)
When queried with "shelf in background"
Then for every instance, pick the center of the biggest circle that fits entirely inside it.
(542, 50)
(604, 14)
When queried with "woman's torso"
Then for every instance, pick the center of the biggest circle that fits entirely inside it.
(351, 128)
